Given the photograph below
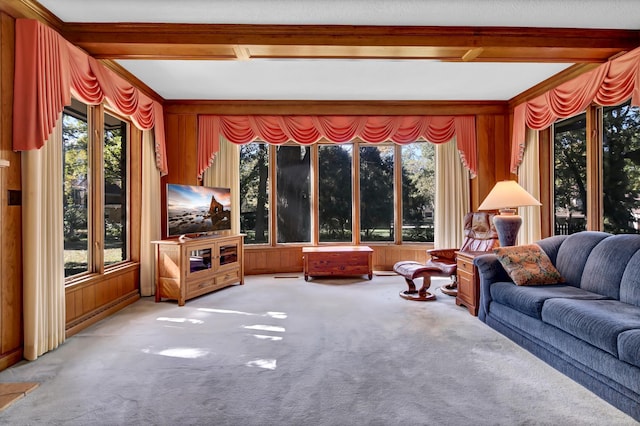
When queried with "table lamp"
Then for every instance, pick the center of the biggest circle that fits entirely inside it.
(506, 196)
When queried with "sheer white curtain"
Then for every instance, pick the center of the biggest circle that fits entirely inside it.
(225, 172)
(151, 219)
(529, 179)
(43, 247)
(452, 196)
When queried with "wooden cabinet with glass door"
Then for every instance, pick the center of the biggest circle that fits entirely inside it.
(187, 268)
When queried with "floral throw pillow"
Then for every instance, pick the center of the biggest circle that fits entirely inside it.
(528, 265)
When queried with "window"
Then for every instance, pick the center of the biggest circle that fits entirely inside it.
(75, 172)
(95, 198)
(376, 193)
(293, 189)
(418, 191)
(254, 192)
(337, 193)
(570, 175)
(611, 200)
(115, 194)
(621, 169)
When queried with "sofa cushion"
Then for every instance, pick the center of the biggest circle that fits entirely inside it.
(630, 283)
(629, 347)
(529, 300)
(573, 254)
(528, 265)
(607, 263)
(598, 322)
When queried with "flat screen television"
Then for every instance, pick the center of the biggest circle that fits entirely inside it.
(195, 209)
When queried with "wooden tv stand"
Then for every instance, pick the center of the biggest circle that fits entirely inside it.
(337, 260)
(187, 268)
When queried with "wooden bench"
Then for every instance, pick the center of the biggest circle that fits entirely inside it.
(337, 261)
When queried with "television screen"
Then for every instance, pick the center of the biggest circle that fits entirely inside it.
(197, 209)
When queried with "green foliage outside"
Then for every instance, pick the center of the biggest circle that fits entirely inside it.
(76, 194)
(334, 192)
(620, 172)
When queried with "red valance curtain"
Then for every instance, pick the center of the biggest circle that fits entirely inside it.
(278, 129)
(610, 84)
(49, 69)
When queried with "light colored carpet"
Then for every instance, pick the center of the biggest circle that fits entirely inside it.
(288, 352)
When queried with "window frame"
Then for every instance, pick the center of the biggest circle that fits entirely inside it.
(594, 169)
(355, 196)
(96, 194)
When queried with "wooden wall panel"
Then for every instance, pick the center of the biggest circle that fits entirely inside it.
(494, 155)
(100, 296)
(182, 148)
(273, 260)
(10, 215)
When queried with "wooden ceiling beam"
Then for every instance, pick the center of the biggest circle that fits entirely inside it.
(488, 44)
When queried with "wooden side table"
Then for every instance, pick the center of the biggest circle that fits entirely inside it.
(468, 281)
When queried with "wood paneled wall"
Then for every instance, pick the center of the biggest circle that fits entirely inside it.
(288, 259)
(10, 215)
(99, 297)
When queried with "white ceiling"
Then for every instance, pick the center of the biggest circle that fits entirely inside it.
(339, 79)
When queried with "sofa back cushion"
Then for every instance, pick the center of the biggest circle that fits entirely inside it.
(551, 245)
(607, 264)
(573, 254)
(630, 284)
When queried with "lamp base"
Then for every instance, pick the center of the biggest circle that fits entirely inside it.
(507, 225)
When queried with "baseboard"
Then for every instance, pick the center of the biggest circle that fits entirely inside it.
(11, 358)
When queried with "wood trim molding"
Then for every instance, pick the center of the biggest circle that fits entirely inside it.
(293, 107)
(31, 9)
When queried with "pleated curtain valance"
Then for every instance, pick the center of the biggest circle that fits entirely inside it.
(49, 70)
(608, 85)
(278, 129)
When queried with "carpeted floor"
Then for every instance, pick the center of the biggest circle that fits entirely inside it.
(289, 352)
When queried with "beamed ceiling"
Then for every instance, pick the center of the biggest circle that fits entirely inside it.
(473, 50)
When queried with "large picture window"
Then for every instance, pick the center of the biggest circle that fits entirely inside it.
(95, 189)
(76, 191)
(611, 201)
(418, 191)
(376, 193)
(254, 192)
(114, 159)
(621, 169)
(293, 189)
(337, 193)
(570, 175)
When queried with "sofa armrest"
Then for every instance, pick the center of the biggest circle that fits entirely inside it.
(490, 271)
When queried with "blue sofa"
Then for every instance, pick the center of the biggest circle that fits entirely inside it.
(587, 327)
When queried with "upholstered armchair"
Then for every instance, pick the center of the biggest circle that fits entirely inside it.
(479, 235)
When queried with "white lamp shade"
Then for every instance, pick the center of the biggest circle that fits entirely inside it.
(508, 194)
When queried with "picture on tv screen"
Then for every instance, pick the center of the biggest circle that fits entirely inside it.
(197, 209)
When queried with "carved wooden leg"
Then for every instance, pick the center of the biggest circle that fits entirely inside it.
(419, 295)
(426, 283)
(412, 286)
